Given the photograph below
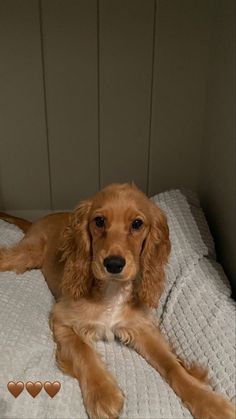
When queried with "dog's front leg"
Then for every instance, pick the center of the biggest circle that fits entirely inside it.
(102, 397)
(146, 339)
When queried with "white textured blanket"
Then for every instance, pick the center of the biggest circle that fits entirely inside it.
(196, 314)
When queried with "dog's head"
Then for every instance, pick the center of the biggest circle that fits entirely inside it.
(113, 236)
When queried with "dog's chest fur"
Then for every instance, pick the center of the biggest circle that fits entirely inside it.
(101, 320)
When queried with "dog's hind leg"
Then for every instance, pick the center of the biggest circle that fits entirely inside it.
(27, 254)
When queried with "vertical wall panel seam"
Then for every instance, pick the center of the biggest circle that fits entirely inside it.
(98, 94)
(45, 100)
(151, 96)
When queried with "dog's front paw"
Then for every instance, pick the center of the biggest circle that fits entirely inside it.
(215, 406)
(104, 400)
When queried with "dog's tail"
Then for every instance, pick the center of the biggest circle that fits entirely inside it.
(23, 224)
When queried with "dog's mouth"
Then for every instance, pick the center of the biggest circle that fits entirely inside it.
(115, 266)
(117, 278)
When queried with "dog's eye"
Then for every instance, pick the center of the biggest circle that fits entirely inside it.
(100, 222)
(137, 224)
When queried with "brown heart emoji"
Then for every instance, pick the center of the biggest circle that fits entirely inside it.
(52, 388)
(15, 388)
(34, 388)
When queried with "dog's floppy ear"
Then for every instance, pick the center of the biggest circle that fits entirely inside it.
(153, 258)
(76, 253)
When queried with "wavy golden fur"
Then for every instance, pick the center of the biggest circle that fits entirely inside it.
(105, 264)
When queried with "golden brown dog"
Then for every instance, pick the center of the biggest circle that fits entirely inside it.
(104, 263)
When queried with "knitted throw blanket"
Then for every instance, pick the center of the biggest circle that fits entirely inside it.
(196, 315)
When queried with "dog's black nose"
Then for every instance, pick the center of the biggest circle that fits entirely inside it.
(114, 264)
